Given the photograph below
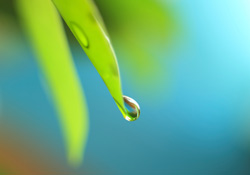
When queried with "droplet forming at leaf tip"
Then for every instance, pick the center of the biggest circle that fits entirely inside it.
(132, 109)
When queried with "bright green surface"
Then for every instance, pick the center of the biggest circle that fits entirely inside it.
(47, 36)
(85, 22)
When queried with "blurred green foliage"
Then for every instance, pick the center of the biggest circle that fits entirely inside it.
(141, 30)
(47, 36)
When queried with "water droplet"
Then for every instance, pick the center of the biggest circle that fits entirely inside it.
(132, 108)
(79, 34)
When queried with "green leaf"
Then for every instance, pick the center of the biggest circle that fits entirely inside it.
(85, 22)
(47, 36)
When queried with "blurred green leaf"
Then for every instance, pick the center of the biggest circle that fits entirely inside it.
(142, 31)
(47, 36)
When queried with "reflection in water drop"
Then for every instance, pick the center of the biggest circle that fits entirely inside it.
(132, 108)
(79, 34)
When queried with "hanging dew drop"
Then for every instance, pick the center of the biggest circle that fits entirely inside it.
(132, 108)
